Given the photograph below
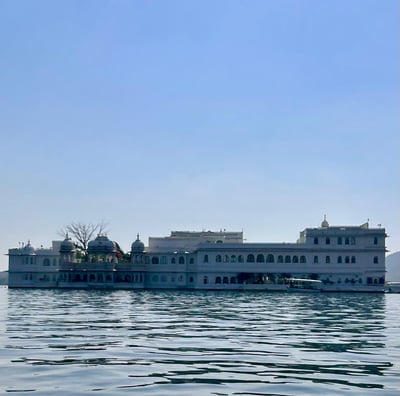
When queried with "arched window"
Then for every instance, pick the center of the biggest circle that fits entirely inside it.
(226, 258)
(233, 279)
(270, 258)
(100, 278)
(295, 259)
(303, 259)
(173, 260)
(225, 280)
(218, 259)
(327, 260)
(233, 258)
(154, 260)
(205, 258)
(46, 262)
(218, 279)
(250, 258)
(288, 259)
(339, 259)
(280, 259)
(240, 258)
(376, 260)
(260, 258)
(181, 260)
(353, 259)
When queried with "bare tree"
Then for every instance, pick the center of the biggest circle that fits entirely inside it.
(82, 233)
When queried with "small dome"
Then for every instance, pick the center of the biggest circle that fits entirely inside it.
(325, 224)
(28, 249)
(67, 245)
(137, 246)
(101, 245)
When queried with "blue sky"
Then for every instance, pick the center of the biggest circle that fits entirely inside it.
(162, 115)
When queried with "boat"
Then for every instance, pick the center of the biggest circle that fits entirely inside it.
(392, 287)
(304, 285)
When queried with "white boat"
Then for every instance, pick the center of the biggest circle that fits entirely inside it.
(393, 287)
(304, 285)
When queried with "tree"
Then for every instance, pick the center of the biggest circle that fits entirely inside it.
(82, 233)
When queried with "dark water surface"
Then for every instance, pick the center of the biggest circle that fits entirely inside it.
(198, 343)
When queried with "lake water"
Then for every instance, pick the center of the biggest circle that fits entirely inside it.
(198, 343)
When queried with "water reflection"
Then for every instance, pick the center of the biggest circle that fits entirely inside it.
(171, 342)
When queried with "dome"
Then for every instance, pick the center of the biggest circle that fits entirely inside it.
(137, 246)
(101, 245)
(324, 224)
(28, 249)
(67, 245)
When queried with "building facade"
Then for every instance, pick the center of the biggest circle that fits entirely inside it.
(343, 258)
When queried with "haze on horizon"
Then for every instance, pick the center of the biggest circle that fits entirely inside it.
(169, 115)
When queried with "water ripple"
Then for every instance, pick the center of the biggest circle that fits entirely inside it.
(203, 343)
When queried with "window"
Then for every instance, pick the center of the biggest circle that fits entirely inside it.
(347, 241)
(287, 259)
(339, 259)
(376, 260)
(163, 260)
(181, 260)
(303, 259)
(191, 280)
(191, 260)
(280, 259)
(233, 279)
(226, 258)
(375, 240)
(315, 241)
(173, 260)
(327, 259)
(260, 258)
(347, 259)
(225, 280)
(315, 259)
(218, 259)
(233, 258)
(205, 258)
(154, 260)
(353, 259)
(327, 240)
(250, 258)
(240, 258)
(352, 241)
(339, 240)
(270, 258)
(295, 259)
(46, 262)
(218, 279)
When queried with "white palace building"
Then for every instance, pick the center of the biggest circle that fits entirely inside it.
(342, 258)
